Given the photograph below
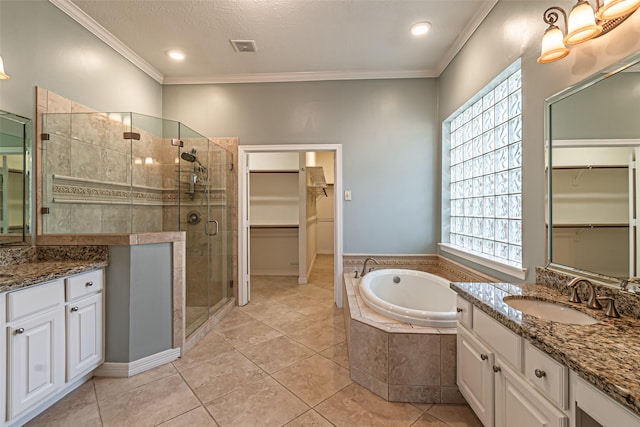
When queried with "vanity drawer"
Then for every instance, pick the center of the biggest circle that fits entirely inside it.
(34, 299)
(463, 311)
(550, 377)
(84, 284)
(504, 341)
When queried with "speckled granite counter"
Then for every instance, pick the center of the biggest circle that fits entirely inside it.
(605, 354)
(32, 273)
(21, 267)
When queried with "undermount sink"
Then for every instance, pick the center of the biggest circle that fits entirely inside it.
(549, 310)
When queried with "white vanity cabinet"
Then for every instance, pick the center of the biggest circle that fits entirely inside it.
(475, 375)
(84, 320)
(493, 364)
(594, 408)
(518, 404)
(54, 340)
(35, 345)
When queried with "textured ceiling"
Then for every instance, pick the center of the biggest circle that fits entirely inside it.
(294, 38)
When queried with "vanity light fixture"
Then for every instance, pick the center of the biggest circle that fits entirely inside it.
(422, 27)
(583, 24)
(3, 75)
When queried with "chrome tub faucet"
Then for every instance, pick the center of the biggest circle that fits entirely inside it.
(364, 267)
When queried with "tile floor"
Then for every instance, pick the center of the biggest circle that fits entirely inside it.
(280, 360)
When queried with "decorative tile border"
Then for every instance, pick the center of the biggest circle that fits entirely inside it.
(430, 263)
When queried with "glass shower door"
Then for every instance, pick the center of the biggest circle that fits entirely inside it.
(204, 206)
(219, 228)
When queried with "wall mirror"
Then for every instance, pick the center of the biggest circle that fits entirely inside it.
(593, 151)
(15, 178)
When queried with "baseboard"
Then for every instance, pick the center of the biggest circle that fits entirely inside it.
(125, 370)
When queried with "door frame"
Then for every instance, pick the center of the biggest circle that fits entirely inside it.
(243, 212)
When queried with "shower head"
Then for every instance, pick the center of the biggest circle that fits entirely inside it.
(189, 157)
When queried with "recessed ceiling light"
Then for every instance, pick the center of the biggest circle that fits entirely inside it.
(420, 28)
(175, 54)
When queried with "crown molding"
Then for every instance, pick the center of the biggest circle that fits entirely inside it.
(300, 77)
(112, 41)
(78, 15)
(465, 36)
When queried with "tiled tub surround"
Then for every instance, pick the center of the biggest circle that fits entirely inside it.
(396, 360)
(23, 267)
(604, 354)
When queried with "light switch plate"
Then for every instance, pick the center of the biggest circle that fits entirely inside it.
(347, 194)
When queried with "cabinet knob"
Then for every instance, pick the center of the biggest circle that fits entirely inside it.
(20, 331)
(74, 308)
(540, 373)
(484, 356)
(496, 369)
(89, 283)
(459, 310)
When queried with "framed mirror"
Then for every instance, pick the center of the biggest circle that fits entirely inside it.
(15, 178)
(593, 150)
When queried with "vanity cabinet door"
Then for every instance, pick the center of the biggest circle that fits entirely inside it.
(518, 404)
(84, 335)
(475, 375)
(36, 360)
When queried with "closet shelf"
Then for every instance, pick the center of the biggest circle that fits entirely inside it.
(264, 225)
(591, 225)
(590, 167)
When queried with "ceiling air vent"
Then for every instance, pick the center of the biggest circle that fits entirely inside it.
(243, 45)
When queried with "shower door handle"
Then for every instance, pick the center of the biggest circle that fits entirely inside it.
(206, 228)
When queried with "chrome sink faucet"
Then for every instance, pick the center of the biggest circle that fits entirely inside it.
(364, 267)
(592, 300)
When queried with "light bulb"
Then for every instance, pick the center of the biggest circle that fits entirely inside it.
(582, 24)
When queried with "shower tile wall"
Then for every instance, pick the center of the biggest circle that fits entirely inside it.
(93, 174)
(103, 173)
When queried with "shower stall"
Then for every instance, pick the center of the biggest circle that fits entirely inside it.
(126, 173)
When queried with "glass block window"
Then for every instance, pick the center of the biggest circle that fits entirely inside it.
(485, 152)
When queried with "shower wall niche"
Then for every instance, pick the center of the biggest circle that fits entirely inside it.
(127, 173)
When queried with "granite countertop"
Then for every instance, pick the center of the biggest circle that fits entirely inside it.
(605, 354)
(18, 276)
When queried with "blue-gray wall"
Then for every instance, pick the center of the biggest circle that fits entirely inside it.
(139, 309)
(388, 131)
(389, 128)
(514, 29)
(41, 46)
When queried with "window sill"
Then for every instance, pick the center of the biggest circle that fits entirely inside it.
(509, 270)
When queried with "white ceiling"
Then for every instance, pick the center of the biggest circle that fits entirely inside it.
(296, 39)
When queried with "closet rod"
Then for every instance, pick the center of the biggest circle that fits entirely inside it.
(274, 171)
(274, 226)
